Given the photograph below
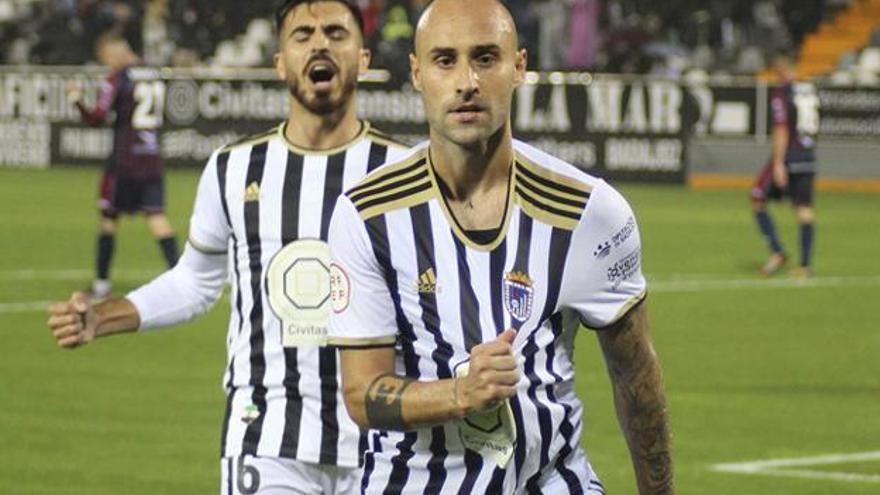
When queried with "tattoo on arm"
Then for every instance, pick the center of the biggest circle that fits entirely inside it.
(384, 401)
(640, 401)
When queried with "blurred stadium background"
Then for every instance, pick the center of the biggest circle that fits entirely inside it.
(668, 100)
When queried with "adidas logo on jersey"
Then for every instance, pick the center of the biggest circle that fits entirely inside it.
(427, 282)
(252, 192)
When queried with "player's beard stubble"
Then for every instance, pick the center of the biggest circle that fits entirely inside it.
(323, 104)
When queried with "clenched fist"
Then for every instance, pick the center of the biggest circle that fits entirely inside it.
(491, 377)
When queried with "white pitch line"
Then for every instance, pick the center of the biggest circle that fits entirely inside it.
(73, 274)
(699, 285)
(779, 467)
(25, 307)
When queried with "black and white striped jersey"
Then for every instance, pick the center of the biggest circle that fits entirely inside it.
(405, 274)
(266, 204)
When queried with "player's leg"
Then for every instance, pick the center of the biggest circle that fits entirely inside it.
(106, 242)
(802, 199)
(250, 475)
(153, 205)
(763, 191)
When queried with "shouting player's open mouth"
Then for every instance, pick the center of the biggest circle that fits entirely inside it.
(321, 73)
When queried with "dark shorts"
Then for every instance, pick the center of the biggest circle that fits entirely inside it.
(800, 187)
(122, 195)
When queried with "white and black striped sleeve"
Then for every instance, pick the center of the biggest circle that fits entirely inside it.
(363, 312)
(603, 275)
(209, 228)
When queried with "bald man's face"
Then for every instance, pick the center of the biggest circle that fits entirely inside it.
(467, 66)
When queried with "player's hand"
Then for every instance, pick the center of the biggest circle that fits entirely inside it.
(492, 376)
(780, 176)
(73, 323)
(74, 91)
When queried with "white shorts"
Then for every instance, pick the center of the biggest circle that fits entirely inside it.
(249, 475)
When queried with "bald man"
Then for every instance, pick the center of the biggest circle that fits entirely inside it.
(460, 275)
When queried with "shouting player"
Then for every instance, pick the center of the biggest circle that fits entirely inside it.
(260, 217)
(132, 180)
(460, 276)
(792, 168)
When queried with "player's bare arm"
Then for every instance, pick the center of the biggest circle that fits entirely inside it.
(75, 322)
(640, 401)
(378, 398)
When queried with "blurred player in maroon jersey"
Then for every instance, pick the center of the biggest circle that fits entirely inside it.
(133, 175)
(792, 168)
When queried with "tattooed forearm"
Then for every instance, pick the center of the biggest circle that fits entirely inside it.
(384, 402)
(640, 401)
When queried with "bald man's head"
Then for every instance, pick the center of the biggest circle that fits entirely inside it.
(453, 11)
(466, 65)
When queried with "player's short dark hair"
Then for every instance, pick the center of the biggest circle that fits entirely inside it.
(288, 5)
(109, 37)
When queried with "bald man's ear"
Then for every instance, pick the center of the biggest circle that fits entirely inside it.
(414, 74)
(520, 67)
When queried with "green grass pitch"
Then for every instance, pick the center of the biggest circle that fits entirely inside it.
(755, 369)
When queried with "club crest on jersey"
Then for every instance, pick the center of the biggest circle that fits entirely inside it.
(518, 295)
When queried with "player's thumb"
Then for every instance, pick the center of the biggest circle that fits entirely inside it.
(80, 302)
(507, 336)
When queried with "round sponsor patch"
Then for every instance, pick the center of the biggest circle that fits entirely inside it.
(299, 291)
(340, 288)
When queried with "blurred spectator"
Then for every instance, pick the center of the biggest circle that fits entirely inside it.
(583, 33)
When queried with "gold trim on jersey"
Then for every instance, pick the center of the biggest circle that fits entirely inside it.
(252, 140)
(380, 137)
(453, 222)
(362, 343)
(550, 197)
(400, 185)
(362, 133)
(622, 312)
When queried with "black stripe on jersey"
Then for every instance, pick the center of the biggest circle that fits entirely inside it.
(544, 420)
(327, 365)
(520, 167)
(291, 192)
(496, 276)
(522, 180)
(385, 177)
(378, 233)
(389, 186)
(520, 264)
(257, 338)
(473, 464)
(436, 471)
(222, 167)
(424, 186)
(290, 197)
(222, 164)
(399, 469)
(332, 189)
(424, 248)
(570, 478)
(560, 241)
(543, 206)
(378, 156)
(470, 307)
